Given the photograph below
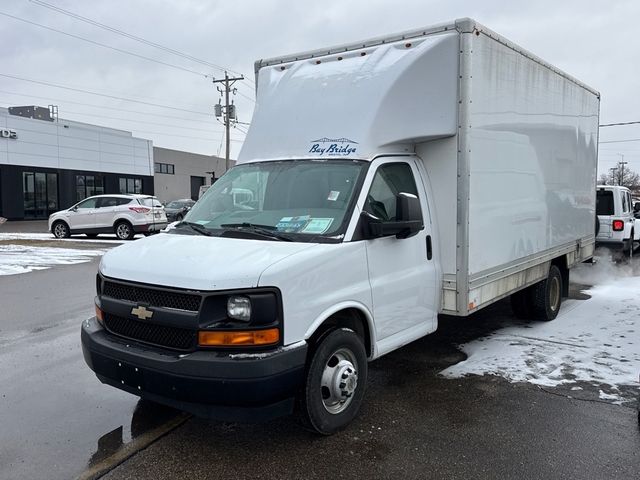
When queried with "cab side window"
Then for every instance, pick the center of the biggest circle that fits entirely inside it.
(390, 180)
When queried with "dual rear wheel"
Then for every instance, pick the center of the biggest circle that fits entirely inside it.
(540, 301)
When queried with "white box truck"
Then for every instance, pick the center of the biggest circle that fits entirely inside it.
(389, 180)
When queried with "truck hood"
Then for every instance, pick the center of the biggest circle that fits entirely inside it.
(196, 262)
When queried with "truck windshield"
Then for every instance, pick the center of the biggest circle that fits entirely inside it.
(294, 199)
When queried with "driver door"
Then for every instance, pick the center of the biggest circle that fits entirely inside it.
(402, 272)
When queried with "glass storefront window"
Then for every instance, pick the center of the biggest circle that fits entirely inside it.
(88, 186)
(130, 185)
(40, 194)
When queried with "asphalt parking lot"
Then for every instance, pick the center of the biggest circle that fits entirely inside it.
(416, 424)
(60, 422)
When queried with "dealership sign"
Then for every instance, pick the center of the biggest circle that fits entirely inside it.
(8, 133)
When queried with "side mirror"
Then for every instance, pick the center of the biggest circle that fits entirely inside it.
(74, 209)
(408, 220)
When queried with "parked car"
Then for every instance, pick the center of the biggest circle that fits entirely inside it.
(124, 215)
(177, 209)
(616, 220)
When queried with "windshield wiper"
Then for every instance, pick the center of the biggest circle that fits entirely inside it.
(264, 230)
(196, 227)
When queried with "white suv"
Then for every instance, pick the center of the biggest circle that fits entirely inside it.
(124, 215)
(617, 224)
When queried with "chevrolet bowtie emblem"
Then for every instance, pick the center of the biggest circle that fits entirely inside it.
(142, 313)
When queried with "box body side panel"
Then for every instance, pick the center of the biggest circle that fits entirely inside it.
(533, 150)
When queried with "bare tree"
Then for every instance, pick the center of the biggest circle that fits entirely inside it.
(604, 179)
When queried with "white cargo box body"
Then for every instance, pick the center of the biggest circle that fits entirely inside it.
(509, 144)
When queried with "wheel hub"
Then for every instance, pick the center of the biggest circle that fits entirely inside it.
(339, 381)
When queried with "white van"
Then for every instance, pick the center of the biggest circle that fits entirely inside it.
(380, 184)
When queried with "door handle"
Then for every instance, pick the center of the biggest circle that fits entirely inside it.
(429, 248)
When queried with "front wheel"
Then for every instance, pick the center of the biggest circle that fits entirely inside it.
(335, 384)
(61, 230)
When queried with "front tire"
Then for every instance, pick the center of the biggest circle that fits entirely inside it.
(124, 230)
(335, 383)
(60, 230)
(546, 296)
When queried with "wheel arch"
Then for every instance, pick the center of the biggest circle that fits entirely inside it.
(562, 264)
(351, 315)
(122, 219)
(60, 220)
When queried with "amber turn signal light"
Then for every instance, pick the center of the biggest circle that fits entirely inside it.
(99, 315)
(234, 338)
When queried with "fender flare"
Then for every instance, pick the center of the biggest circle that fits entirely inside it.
(326, 314)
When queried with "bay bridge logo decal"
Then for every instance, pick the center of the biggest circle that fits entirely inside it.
(333, 146)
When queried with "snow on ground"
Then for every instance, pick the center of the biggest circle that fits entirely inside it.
(15, 259)
(596, 341)
(6, 236)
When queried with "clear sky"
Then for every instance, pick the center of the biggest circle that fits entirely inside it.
(595, 41)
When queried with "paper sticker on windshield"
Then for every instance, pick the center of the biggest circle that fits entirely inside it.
(292, 224)
(318, 225)
(333, 196)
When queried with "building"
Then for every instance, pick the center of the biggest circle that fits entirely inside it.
(181, 174)
(48, 164)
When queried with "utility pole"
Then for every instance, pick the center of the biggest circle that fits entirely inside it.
(622, 163)
(228, 112)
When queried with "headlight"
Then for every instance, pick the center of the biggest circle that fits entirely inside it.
(239, 308)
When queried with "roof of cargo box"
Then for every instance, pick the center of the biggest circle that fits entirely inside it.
(360, 100)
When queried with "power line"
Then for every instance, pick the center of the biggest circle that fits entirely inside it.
(617, 124)
(142, 121)
(182, 136)
(136, 38)
(622, 141)
(126, 52)
(131, 36)
(40, 82)
(52, 99)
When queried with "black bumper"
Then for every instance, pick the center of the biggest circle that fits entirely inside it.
(210, 384)
(614, 244)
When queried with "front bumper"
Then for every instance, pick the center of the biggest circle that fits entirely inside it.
(210, 384)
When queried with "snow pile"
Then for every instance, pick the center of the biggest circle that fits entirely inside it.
(107, 238)
(595, 341)
(15, 259)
